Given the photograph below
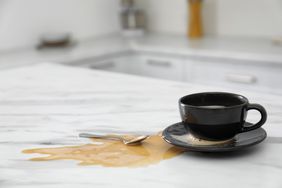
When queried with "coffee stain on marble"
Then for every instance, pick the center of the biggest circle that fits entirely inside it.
(195, 141)
(109, 153)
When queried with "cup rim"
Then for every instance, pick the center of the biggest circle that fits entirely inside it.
(246, 101)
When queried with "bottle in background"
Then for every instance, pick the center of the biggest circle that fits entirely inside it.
(195, 28)
(132, 19)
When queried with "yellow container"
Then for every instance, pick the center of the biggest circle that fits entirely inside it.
(195, 28)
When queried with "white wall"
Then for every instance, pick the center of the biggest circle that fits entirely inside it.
(165, 15)
(250, 17)
(22, 21)
(259, 18)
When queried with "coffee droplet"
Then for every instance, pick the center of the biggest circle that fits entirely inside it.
(109, 153)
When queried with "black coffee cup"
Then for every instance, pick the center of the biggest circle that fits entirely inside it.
(218, 115)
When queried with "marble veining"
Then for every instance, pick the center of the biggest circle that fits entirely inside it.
(48, 105)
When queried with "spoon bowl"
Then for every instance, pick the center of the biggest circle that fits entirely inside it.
(135, 140)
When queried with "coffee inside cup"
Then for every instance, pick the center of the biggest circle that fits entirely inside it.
(214, 100)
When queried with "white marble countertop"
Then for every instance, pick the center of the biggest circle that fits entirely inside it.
(237, 48)
(246, 49)
(97, 47)
(51, 104)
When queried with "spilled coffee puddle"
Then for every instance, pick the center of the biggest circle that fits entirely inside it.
(110, 153)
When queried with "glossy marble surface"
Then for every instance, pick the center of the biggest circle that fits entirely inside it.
(48, 105)
(255, 50)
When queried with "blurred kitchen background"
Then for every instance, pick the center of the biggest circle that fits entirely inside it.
(234, 44)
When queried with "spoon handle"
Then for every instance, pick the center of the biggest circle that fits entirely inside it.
(111, 137)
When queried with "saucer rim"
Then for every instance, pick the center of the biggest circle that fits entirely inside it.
(206, 148)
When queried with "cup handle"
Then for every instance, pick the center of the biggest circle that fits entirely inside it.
(263, 114)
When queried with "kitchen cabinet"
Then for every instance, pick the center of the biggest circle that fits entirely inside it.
(235, 74)
(243, 63)
(165, 67)
(113, 64)
(228, 73)
(159, 66)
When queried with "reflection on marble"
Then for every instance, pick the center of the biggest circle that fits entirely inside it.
(48, 105)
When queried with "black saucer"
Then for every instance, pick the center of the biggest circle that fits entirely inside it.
(178, 135)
